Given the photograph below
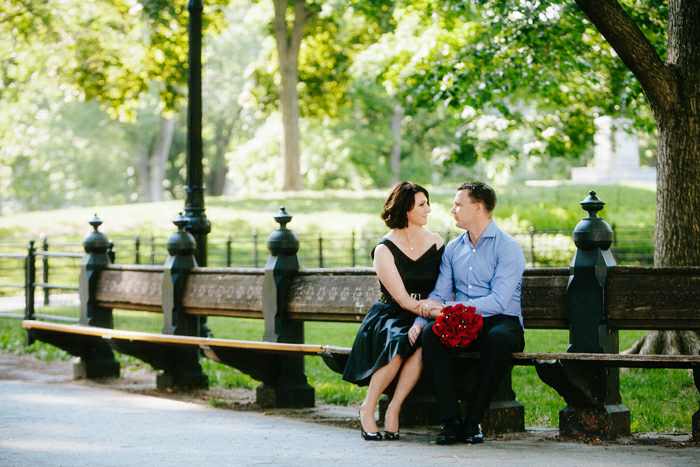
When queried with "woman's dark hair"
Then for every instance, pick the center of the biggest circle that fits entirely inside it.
(400, 201)
(482, 193)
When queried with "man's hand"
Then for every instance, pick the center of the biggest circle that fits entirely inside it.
(414, 332)
(428, 308)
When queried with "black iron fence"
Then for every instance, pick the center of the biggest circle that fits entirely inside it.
(54, 267)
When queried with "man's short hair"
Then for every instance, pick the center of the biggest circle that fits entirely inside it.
(482, 193)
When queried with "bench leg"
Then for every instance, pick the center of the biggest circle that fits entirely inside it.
(284, 383)
(95, 358)
(593, 410)
(179, 365)
(419, 408)
(504, 415)
(604, 422)
(97, 362)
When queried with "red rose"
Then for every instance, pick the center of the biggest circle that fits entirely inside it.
(438, 328)
(453, 319)
(471, 309)
(468, 318)
(453, 341)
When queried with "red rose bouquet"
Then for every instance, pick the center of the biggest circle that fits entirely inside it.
(458, 325)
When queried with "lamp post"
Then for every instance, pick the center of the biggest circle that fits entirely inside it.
(198, 225)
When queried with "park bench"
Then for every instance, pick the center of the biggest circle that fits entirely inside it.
(593, 299)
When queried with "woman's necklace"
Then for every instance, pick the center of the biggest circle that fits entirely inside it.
(404, 241)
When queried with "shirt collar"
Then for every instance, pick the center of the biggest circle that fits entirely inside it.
(489, 232)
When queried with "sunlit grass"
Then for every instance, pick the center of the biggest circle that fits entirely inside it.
(338, 212)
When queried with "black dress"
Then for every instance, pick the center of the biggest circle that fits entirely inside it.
(384, 331)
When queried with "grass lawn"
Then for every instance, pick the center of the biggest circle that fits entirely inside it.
(333, 211)
(659, 400)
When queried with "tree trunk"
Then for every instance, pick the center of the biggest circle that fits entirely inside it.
(395, 157)
(159, 157)
(218, 169)
(673, 91)
(142, 170)
(288, 45)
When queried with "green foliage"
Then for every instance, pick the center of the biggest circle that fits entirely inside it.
(525, 80)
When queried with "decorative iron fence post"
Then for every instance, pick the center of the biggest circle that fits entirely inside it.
(285, 384)
(111, 252)
(180, 366)
(228, 250)
(531, 229)
(137, 245)
(153, 249)
(352, 248)
(30, 280)
(96, 359)
(255, 248)
(320, 250)
(45, 266)
(594, 405)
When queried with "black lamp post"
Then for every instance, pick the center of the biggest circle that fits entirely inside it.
(198, 225)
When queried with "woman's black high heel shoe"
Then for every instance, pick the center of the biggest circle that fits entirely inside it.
(368, 436)
(389, 436)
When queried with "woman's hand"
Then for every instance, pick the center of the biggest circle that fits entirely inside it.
(428, 308)
(414, 332)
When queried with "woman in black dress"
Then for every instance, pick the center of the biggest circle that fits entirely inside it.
(407, 261)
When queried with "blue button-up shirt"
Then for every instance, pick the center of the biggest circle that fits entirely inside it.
(487, 276)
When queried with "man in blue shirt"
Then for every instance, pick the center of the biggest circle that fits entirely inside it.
(483, 268)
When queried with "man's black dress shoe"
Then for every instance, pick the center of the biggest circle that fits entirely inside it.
(369, 436)
(473, 434)
(451, 432)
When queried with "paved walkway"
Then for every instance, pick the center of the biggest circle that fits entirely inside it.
(48, 420)
(15, 303)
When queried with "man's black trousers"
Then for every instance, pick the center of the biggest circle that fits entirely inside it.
(500, 336)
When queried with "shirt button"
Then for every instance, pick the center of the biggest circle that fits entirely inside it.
(474, 250)
(470, 268)
(470, 286)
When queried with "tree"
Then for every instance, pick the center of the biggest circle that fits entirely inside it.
(470, 58)
(672, 88)
(110, 51)
(315, 42)
(289, 39)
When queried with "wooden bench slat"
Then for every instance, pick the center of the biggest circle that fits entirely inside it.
(606, 360)
(654, 298)
(306, 349)
(131, 288)
(225, 292)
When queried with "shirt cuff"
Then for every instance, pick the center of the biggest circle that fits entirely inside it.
(420, 320)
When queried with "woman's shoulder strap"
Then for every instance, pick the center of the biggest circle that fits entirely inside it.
(389, 244)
